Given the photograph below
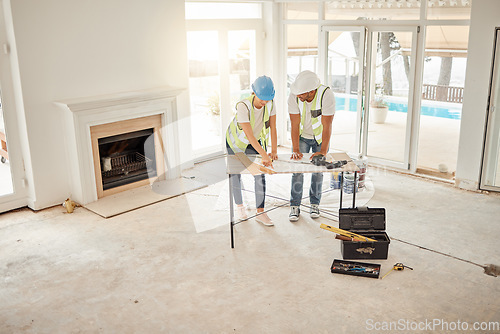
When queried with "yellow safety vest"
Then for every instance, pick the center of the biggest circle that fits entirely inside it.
(235, 136)
(316, 113)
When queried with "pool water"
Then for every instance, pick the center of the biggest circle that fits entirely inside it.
(428, 108)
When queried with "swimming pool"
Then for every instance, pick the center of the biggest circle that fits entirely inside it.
(428, 108)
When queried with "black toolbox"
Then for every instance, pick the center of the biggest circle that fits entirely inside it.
(355, 268)
(370, 223)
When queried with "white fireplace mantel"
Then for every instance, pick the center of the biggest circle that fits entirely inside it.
(80, 114)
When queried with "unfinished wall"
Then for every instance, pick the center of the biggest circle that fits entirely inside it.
(484, 19)
(72, 48)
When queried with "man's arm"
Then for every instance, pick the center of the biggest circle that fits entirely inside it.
(326, 121)
(295, 133)
(328, 107)
(274, 138)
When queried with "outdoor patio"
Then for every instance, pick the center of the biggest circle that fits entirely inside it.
(438, 138)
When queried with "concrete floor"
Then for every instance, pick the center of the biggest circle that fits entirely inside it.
(149, 271)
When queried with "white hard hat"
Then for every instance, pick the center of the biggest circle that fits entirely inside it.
(305, 82)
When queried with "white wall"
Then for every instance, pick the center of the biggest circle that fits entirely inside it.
(73, 48)
(484, 19)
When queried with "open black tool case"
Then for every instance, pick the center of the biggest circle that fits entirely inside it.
(370, 223)
(355, 268)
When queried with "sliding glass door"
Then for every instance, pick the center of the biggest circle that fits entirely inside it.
(222, 65)
(371, 71)
(204, 89)
(5, 169)
(225, 50)
(344, 75)
(391, 72)
(13, 185)
(490, 176)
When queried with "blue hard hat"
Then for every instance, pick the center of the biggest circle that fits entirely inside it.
(263, 87)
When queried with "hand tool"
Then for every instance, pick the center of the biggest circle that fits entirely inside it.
(354, 236)
(356, 268)
(320, 160)
(397, 266)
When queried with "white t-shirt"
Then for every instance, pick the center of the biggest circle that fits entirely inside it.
(327, 109)
(243, 116)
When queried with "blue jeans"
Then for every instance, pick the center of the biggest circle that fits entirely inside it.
(260, 182)
(305, 146)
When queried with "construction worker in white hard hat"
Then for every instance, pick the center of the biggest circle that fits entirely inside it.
(311, 107)
(248, 132)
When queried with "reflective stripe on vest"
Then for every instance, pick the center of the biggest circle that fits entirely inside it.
(235, 136)
(315, 121)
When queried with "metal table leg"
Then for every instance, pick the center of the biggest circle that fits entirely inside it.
(354, 191)
(341, 188)
(231, 210)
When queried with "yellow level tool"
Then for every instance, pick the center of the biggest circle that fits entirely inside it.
(351, 235)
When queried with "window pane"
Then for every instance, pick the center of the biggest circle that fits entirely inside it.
(302, 53)
(491, 163)
(302, 45)
(211, 10)
(242, 60)
(442, 92)
(448, 9)
(390, 91)
(343, 79)
(302, 11)
(204, 88)
(375, 9)
(5, 172)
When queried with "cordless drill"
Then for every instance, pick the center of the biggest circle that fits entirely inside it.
(320, 160)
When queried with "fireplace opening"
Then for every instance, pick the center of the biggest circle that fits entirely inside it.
(127, 158)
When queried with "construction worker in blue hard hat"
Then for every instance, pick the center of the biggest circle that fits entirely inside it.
(311, 107)
(248, 132)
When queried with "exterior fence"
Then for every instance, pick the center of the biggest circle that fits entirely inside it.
(443, 93)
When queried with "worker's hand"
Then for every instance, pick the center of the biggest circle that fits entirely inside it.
(266, 161)
(296, 155)
(274, 156)
(317, 153)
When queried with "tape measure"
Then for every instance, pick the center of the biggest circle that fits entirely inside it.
(397, 266)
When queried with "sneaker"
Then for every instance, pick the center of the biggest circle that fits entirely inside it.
(294, 213)
(241, 210)
(314, 211)
(264, 219)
